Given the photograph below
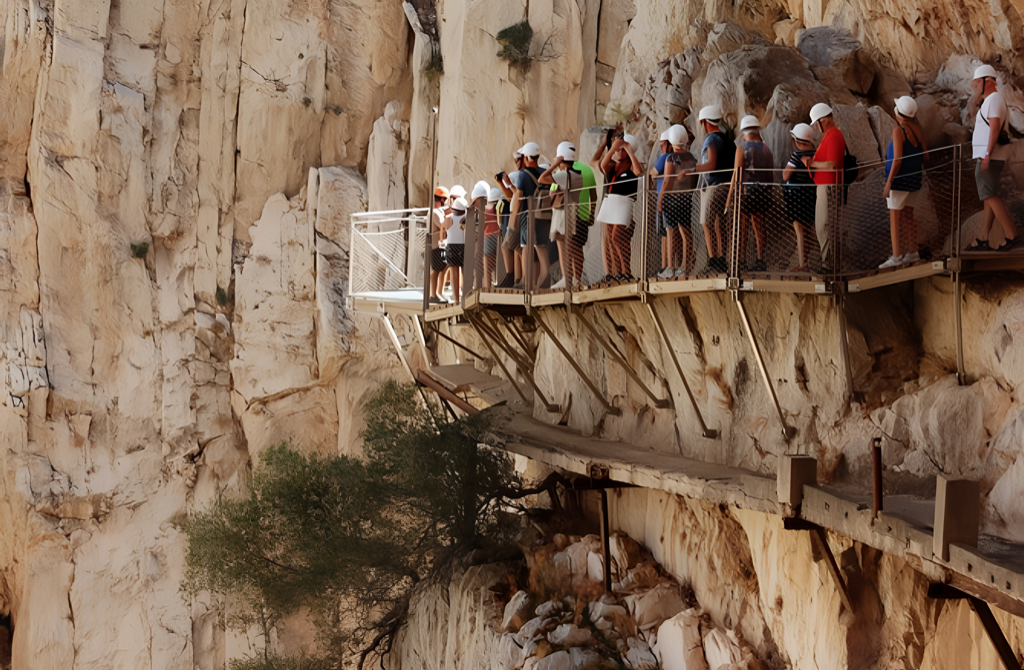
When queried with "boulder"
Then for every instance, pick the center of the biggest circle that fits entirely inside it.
(570, 635)
(829, 47)
(853, 121)
(679, 643)
(516, 611)
(650, 609)
(639, 655)
(720, 650)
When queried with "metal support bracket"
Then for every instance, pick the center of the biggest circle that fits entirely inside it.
(788, 431)
(988, 621)
(520, 359)
(820, 544)
(661, 403)
(393, 336)
(709, 433)
(611, 409)
(484, 335)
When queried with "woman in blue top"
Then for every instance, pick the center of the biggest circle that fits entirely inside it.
(904, 165)
(753, 171)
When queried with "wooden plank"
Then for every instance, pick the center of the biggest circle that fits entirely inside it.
(445, 393)
(605, 293)
(684, 286)
(550, 298)
(501, 298)
(796, 286)
(987, 593)
(897, 276)
(460, 378)
(442, 313)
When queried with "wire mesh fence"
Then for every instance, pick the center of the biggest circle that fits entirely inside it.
(384, 251)
(766, 224)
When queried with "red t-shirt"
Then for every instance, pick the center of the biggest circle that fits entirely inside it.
(832, 149)
(491, 226)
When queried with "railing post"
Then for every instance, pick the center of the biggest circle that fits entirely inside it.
(642, 200)
(531, 234)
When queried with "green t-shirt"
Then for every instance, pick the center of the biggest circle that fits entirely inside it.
(579, 180)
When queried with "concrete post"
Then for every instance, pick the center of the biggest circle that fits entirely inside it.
(795, 470)
(957, 514)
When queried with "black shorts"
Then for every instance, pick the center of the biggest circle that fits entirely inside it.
(582, 234)
(454, 255)
(491, 245)
(437, 262)
(755, 199)
(676, 210)
(542, 234)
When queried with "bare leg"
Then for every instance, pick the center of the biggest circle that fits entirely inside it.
(519, 264)
(543, 264)
(509, 257)
(489, 263)
(606, 247)
(894, 232)
(563, 258)
(986, 222)
(998, 208)
(758, 221)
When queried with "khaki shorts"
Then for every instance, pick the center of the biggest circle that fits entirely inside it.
(824, 212)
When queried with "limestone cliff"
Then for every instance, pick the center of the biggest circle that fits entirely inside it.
(176, 180)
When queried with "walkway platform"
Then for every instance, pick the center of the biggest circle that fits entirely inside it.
(992, 571)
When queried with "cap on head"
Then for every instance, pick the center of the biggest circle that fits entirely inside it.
(985, 70)
(494, 195)
(460, 205)
(480, 190)
(530, 150)
(458, 192)
(441, 192)
(906, 107)
(749, 122)
(819, 111)
(802, 132)
(567, 151)
(711, 113)
(677, 135)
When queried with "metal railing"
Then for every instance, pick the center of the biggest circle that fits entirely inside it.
(384, 251)
(737, 232)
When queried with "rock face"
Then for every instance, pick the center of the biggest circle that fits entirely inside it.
(176, 185)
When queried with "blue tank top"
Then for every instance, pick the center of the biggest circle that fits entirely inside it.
(911, 166)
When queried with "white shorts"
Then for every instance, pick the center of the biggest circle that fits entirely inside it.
(897, 200)
(616, 210)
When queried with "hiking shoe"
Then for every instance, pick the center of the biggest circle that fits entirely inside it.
(911, 258)
(559, 285)
(666, 273)
(518, 286)
(1010, 245)
(680, 273)
(979, 245)
(894, 261)
(434, 300)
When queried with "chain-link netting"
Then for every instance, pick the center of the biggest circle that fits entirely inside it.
(380, 251)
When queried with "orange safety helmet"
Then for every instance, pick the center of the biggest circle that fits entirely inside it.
(441, 192)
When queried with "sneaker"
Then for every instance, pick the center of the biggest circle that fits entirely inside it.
(666, 273)
(508, 281)
(559, 285)
(434, 300)
(894, 261)
(518, 286)
(680, 272)
(911, 258)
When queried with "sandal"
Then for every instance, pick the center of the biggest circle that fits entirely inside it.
(1010, 245)
(979, 245)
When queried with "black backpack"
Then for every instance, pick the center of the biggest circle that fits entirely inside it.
(851, 170)
(727, 154)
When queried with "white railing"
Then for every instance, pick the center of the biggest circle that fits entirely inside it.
(380, 258)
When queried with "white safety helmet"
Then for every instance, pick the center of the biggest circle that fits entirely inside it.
(530, 150)
(494, 195)
(480, 190)
(984, 71)
(631, 141)
(819, 111)
(710, 113)
(458, 192)
(802, 132)
(906, 107)
(664, 136)
(749, 122)
(567, 151)
(677, 135)
(460, 205)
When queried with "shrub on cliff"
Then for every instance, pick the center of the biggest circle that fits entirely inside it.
(347, 537)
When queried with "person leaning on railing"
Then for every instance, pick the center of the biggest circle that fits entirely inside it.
(904, 169)
(989, 142)
(827, 168)
(675, 205)
(504, 209)
(798, 191)
(438, 266)
(753, 172)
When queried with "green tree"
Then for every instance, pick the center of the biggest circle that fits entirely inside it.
(347, 537)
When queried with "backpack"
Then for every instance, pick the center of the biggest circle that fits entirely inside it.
(850, 172)
(727, 154)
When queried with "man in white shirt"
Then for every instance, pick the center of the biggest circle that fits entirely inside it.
(991, 152)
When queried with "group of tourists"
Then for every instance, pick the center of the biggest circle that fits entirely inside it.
(729, 172)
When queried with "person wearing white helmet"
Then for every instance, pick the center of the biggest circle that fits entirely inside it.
(904, 170)
(575, 181)
(621, 170)
(675, 206)
(524, 183)
(989, 143)
(827, 168)
(753, 174)
(492, 226)
(798, 192)
(717, 155)
(457, 192)
(656, 175)
(456, 249)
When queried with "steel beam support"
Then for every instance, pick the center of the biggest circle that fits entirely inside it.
(393, 336)
(528, 374)
(518, 337)
(613, 351)
(787, 431)
(520, 359)
(455, 342)
(820, 542)
(709, 433)
(445, 394)
(611, 409)
(988, 621)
